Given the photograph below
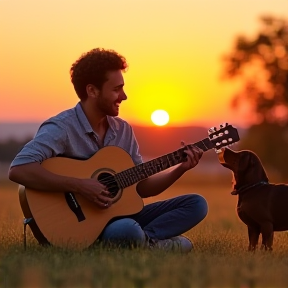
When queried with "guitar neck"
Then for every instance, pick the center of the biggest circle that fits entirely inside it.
(142, 171)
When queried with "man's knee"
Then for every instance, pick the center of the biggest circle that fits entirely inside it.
(124, 232)
(198, 206)
(202, 206)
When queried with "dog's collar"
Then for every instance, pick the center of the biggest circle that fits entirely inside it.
(246, 187)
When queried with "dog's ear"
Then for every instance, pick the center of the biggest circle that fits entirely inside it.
(256, 162)
(243, 171)
(252, 167)
(245, 161)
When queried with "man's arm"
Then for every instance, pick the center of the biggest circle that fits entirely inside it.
(35, 177)
(158, 183)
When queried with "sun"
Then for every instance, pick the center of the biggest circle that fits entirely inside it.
(160, 117)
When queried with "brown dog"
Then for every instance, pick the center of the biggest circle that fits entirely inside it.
(261, 206)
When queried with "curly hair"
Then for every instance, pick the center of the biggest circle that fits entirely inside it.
(92, 68)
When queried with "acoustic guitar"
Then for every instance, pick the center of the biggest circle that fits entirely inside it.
(68, 220)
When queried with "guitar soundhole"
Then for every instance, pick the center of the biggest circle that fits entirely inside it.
(109, 181)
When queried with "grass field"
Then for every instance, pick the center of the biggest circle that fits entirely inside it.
(220, 257)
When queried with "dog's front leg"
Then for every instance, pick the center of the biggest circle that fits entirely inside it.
(253, 234)
(267, 236)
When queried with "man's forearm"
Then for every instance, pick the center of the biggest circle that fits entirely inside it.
(34, 176)
(158, 183)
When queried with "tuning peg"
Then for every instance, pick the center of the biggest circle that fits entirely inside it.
(217, 151)
(223, 125)
(212, 130)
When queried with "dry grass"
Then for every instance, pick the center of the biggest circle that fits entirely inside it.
(220, 258)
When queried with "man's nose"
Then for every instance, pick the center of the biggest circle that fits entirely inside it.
(124, 96)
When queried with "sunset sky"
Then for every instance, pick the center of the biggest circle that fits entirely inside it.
(173, 48)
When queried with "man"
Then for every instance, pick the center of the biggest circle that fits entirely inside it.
(92, 124)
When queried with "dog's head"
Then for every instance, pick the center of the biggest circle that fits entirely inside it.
(246, 167)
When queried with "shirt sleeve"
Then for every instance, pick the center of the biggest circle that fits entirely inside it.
(48, 142)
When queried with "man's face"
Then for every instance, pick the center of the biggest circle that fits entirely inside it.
(112, 93)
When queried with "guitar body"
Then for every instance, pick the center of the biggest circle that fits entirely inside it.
(54, 217)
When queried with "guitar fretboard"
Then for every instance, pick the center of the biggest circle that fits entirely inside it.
(142, 171)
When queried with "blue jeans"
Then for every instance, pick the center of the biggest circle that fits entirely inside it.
(159, 220)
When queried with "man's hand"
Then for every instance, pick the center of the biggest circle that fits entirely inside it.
(194, 154)
(94, 191)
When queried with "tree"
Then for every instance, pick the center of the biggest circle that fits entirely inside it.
(261, 64)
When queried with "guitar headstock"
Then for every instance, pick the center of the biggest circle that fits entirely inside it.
(226, 135)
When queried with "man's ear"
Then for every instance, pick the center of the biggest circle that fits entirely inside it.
(92, 91)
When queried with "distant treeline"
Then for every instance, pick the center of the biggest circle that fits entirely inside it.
(10, 148)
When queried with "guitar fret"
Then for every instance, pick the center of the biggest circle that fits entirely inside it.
(151, 167)
(141, 172)
(124, 179)
(205, 144)
(158, 165)
(168, 159)
(164, 164)
(128, 180)
(119, 180)
(144, 170)
(132, 175)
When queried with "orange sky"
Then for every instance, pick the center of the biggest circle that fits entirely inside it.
(173, 47)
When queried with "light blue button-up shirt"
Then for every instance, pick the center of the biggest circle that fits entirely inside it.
(69, 134)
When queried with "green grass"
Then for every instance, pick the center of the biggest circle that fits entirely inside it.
(220, 257)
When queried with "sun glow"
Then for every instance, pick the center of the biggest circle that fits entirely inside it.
(160, 117)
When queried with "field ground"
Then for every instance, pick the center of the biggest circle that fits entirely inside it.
(220, 257)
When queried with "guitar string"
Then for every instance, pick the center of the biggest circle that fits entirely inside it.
(111, 179)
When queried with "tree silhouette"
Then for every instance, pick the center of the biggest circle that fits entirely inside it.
(261, 64)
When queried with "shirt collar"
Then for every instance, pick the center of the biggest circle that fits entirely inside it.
(114, 125)
(83, 119)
